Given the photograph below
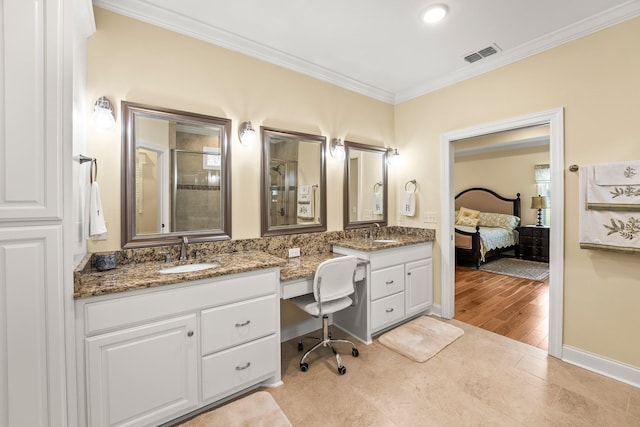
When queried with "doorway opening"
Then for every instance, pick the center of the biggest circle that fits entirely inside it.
(555, 120)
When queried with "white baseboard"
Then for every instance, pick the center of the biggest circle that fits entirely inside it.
(436, 310)
(618, 371)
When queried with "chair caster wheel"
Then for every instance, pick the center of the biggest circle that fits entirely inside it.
(342, 370)
(355, 352)
(304, 367)
(300, 348)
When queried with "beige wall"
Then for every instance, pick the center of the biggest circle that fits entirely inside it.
(133, 61)
(505, 172)
(596, 81)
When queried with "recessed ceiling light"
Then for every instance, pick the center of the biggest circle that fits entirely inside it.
(435, 13)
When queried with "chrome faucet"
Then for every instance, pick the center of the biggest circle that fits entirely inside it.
(372, 231)
(183, 249)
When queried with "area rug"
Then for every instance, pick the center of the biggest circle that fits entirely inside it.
(515, 267)
(420, 339)
(256, 410)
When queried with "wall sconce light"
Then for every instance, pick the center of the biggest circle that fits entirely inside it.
(337, 149)
(103, 116)
(392, 155)
(247, 134)
(539, 202)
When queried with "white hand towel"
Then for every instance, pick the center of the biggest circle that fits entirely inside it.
(620, 173)
(602, 195)
(377, 203)
(306, 203)
(97, 226)
(408, 207)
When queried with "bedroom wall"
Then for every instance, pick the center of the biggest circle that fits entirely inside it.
(596, 81)
(505, 172)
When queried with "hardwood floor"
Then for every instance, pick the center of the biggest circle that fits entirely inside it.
(509, 306)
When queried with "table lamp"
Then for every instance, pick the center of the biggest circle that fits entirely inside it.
(539, 202)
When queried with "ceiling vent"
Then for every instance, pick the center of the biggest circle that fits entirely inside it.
(482, 53)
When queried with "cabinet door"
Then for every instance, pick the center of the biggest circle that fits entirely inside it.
(418, 286)
(143, 375)
(32, 358)
(31, 105)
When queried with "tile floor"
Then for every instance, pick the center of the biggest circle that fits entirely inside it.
(480, 379)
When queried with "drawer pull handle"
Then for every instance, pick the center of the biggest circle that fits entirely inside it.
(243, 367)
(389, 282)
(190, 333)
(240, 325)
(389, 310)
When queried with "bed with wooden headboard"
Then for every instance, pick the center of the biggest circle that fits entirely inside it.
(495, 230)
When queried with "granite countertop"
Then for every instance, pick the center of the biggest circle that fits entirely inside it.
(89, 282)
(368, 245)
(304, 266)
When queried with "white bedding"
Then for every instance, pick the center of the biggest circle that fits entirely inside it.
(492, 238)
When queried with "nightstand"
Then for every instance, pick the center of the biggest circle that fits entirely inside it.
(534, 243)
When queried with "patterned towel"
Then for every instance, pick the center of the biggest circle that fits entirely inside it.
(606, 229)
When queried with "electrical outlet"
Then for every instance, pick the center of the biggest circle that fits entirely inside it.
(431, 217)
(294, 252)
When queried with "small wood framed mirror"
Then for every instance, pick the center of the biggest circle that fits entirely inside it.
(365, 185)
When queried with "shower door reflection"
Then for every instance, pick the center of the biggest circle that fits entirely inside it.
(283, 176)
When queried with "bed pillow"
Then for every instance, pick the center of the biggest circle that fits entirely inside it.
(488, 219)
(468, 217)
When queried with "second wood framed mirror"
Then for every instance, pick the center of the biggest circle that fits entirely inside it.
(365, 185)
(293, 196)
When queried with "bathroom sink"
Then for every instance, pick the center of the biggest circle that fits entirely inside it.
(188, 268)
(385, 241)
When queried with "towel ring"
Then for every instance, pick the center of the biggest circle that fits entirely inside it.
(415, 185)
(375, 186)
(93, 173)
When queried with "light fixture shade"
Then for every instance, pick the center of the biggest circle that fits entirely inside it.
(103, 116)
(337, 149)
(539, 202)
(247, 134)
(392, 155)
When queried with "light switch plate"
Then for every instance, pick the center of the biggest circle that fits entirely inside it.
(431, 217)
(294, 252)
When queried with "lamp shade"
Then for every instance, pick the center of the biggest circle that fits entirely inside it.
(539, 202)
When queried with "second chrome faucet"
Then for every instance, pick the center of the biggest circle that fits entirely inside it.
(183, 248)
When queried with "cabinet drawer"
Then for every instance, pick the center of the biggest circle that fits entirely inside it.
(387, 281)
(231, 370)
(387, 310)
(233, 324)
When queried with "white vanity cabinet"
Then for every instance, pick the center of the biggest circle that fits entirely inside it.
(147, 357)
(400, 283)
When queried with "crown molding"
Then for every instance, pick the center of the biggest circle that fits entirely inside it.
(613, 16)
(161, 17)
(164, 18)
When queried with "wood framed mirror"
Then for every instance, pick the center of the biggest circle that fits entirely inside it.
(293, 196)
(365, 185)
(176, 176)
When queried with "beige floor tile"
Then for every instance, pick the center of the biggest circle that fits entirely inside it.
(482, 379)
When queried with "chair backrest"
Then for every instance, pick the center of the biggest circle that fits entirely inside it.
(334, 278)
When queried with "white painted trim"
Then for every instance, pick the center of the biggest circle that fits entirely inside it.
(537, 141)
(617, 370)
(162, 17)
(555, 120)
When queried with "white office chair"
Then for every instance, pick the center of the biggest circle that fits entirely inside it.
(334, 281)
